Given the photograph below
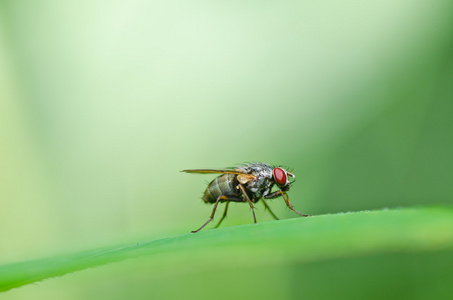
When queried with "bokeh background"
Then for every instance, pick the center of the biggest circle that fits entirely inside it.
(102, 103)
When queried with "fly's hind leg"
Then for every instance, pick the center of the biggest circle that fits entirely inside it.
(224, 214)
(221, 197)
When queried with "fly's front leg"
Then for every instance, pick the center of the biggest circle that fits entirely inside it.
(285, 196)
(241, 187)
(279, 193)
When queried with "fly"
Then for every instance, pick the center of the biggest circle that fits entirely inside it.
(248, 183)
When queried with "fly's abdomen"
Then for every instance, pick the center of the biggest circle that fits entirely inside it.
(222, 185)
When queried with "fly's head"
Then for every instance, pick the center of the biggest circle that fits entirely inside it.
(281, 178)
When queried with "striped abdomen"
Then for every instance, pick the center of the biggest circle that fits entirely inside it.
(223, 185)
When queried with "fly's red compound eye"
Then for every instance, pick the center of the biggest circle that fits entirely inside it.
(280, 176)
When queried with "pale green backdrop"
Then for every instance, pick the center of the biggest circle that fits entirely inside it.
(102, 103)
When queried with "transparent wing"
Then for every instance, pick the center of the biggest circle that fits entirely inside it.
(242, 177)
(214, 171)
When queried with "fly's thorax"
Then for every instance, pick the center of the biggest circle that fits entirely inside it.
(257, 168)
(260, 186)
(223, 185)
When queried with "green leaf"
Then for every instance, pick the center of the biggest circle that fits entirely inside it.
(299, 240)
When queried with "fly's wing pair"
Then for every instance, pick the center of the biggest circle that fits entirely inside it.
(243, 177)
(215, 171)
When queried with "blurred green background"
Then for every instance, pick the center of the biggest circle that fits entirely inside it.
(102, 103)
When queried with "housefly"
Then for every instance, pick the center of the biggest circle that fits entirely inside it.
(248, 183)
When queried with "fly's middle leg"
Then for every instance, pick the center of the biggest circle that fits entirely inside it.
(241, 187)
(268, 208)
